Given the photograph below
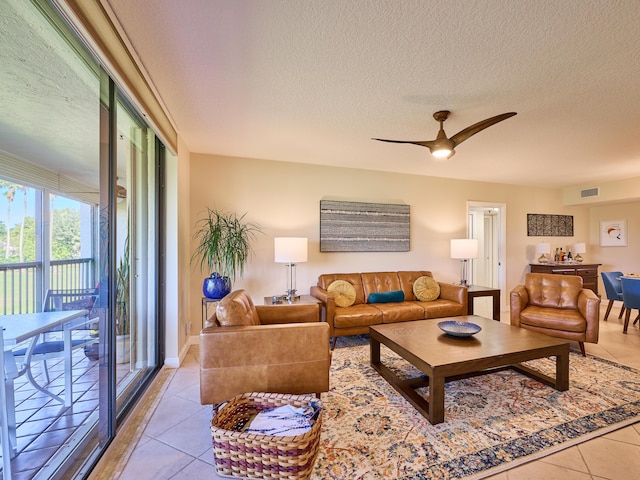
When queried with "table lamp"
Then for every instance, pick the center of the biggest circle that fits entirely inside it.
(543, 248)
(464, 249)
(578, 248)
(290, 250)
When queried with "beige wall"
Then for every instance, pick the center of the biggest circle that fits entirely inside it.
(624, 259)
(284, 199)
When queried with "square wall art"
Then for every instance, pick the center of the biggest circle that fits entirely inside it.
(613, 233)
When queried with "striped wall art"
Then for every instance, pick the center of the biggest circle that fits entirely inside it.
(363, 227)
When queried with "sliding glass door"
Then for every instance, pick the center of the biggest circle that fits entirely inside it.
(136, 250)
(80, 209)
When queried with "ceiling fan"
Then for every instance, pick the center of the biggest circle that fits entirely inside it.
(443, 147)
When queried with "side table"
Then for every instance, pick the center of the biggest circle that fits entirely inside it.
(303, 300)
(206, 301)
(474, 291)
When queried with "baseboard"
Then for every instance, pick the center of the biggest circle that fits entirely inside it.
(175, 362)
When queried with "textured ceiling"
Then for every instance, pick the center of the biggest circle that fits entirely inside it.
(313, 81)
(49, 97)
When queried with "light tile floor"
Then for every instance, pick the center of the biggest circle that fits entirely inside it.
(168, 437)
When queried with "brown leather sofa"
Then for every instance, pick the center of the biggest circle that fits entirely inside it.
(356, 318)
(263, 348)
(558, 306)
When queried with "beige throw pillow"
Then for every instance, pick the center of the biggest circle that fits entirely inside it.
(426, 289)
(343, 292)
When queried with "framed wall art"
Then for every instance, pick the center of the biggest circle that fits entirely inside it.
(613, 233)
(363, 227)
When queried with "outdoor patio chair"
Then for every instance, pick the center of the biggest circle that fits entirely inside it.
(613, 289)
(48, 346)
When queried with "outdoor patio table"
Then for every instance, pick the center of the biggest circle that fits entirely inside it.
(16, 329)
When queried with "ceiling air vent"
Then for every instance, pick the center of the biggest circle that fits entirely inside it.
(590, 192)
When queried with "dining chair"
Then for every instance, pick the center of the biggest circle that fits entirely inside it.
(631, 298)
(49, 345)
(613, 289)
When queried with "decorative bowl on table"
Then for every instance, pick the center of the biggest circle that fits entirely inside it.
(459, 329)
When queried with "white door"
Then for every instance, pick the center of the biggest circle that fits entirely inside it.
(486, 223)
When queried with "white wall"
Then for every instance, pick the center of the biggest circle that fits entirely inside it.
(178, 273)
(284, 199)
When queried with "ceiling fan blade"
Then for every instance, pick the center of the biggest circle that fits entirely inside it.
(462, 135)
(425, 143)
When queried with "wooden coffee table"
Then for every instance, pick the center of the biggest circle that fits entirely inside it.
(443, 358)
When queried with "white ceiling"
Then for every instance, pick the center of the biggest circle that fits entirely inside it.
(313, 80)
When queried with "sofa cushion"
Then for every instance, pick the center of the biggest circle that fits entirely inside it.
(343, 293)
(237, 309)
(354, 279)
(426, 289)
(386, 297)
(441, 307)
(407, 279)
(358, 315)
(375, 282)
(400, 312)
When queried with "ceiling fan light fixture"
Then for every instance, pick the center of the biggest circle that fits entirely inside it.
(443, 147)
(441, 152)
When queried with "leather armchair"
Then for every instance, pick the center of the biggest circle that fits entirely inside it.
(264, 348)
(558, 306)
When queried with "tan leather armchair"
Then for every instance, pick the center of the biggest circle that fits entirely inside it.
(264, 348)
(558, 306)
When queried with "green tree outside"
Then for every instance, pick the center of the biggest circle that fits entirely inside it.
(65, 237)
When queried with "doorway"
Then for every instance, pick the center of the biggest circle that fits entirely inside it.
(487, 224)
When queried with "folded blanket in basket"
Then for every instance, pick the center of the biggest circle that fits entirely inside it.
(286, 420)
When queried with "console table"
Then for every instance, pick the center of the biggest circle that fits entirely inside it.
(588, 271)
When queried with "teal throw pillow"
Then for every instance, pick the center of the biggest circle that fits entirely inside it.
(386, 297)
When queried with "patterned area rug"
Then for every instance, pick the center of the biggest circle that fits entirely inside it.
(492, 422)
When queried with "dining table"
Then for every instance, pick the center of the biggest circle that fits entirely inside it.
(14, 330)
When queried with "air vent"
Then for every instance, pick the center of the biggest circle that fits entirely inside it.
(590, 192)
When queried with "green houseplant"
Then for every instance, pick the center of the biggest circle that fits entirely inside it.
(123, 317)
(224, 247)
(123, 322)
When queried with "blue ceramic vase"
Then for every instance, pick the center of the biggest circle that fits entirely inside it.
(216, 286)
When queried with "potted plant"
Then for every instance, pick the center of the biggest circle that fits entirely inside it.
(224, 248)
(123, 320)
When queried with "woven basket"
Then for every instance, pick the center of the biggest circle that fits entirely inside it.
(249, 455)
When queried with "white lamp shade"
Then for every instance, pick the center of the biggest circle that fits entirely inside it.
(579, 248)
(290, 249)
(464, 248)
(543, 247)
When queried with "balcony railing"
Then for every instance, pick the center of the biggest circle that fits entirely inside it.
(21, 288)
